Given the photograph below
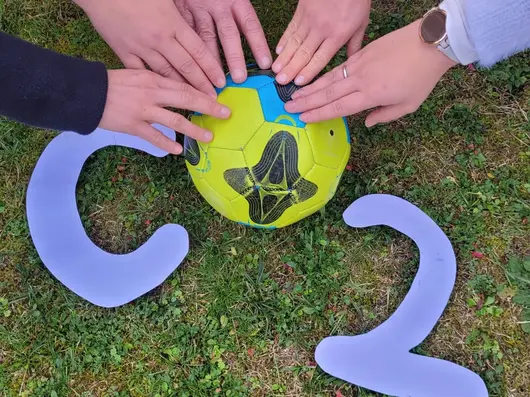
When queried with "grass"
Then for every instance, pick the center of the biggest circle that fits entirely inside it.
(244, 313)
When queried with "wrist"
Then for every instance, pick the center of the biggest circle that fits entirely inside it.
(442, 60)
(461, 44)
(437, 59)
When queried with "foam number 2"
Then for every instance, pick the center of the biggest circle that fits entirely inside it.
(381, 360)
(104, 279)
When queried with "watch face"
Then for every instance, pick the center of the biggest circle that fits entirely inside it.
(433, 26)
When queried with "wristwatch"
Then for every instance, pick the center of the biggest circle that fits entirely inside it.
(433, 31)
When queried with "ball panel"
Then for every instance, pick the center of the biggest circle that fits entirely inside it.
(274, 108)
(234, 132)
(196, 154)
(304, 154)
(330, 142)
(261, 167)
(271, 183)
(327, 180)
(216, 178)
(219, 203)
(253, 81)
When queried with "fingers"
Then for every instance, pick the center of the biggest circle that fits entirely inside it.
(179, 123)
(385, 115)
(152, 135)
(205, 28)
(183, 96)
(329, 78)
(161, 65)
(188, 68)
(301, 58)
(187, 15)
(355, 43)
(131, 61)
(318, 62)
(291, 29)
(201, 56)
(250, 25)
(293, 43)
(231, 42)
(348, 105)
(323, 97)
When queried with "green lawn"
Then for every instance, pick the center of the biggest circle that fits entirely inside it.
(244, 313)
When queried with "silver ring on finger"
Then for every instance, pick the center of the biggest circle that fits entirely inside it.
(345, 72)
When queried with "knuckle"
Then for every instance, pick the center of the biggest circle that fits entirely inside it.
(293, 26)
(329, 93)
(296, 39)
(207, 33)
(304, 54)
(319, 58)
(186, 67)
(306, 102)
(165, 70)
(156, 137)
(199, 51)
(186, 96)
(202, 85)
(336, 74)
(228, 29)
(251, 24)
(176, 121)
(338, 106)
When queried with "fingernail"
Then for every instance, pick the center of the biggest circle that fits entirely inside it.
(289, 106)
(282, 78)
(296, 95)
(221, 82)
(208, 136)
(213, 94)
(276, 67)
(299, 80)
(304, 117)
(238, 75)
(279, 49)
(225, 112)
(266, 62)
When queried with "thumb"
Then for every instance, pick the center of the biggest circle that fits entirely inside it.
(355, 43)
(384, 115)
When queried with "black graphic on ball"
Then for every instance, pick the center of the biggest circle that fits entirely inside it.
(274, 184)
(284, 91)
(192, 153)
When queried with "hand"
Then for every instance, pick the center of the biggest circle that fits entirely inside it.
(395, 73)
(318, 30)
(137, 98)
(154, 32)
(226, 18)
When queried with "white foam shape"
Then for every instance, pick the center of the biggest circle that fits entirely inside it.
(380, 360)
(102, 278)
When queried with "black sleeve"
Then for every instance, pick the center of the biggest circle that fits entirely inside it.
(45, 89)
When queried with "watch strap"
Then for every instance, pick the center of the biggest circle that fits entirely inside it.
(446, 48)
(461, 47)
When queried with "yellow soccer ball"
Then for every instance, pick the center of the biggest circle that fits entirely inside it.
(265, 167)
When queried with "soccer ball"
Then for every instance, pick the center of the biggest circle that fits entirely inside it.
(265, 167)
